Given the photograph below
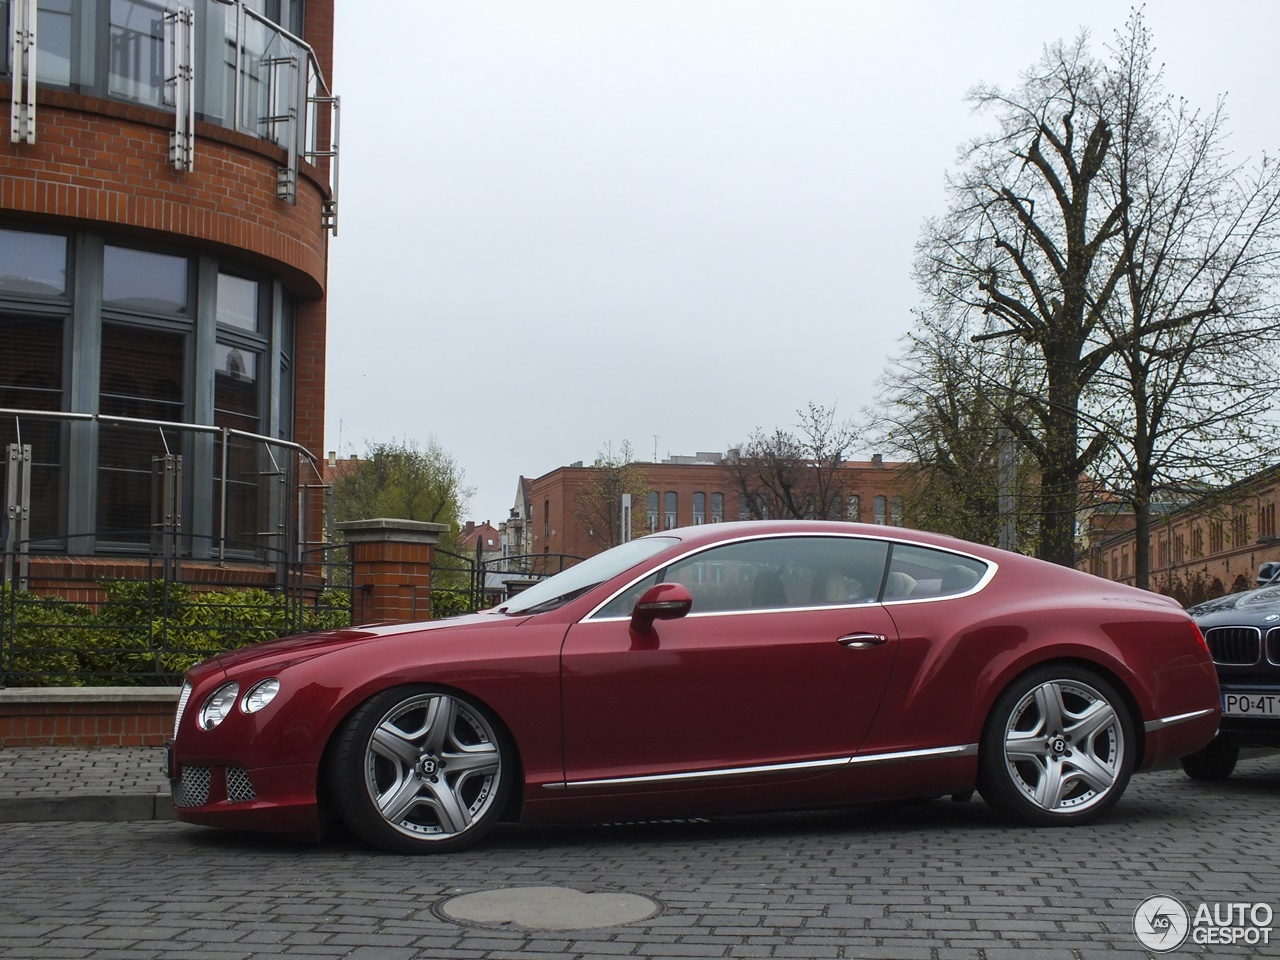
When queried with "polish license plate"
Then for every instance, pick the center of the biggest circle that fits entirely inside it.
(1251, 704)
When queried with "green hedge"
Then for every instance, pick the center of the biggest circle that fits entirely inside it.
(144, 632)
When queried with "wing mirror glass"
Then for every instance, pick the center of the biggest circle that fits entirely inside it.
(662, 601)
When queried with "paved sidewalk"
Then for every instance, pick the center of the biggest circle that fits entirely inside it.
(83, 783)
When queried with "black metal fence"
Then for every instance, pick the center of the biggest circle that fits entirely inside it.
(143, 620)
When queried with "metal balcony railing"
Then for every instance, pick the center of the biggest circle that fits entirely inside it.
(86, 484)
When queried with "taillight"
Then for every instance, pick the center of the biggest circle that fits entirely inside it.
(1195, 628)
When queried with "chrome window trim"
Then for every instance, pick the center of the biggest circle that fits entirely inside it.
(991, 566)
(1152, 725)
(724, 773)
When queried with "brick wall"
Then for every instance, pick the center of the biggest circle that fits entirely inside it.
(105, 162)
(87, 716)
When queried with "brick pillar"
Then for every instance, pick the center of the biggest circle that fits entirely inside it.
(391, 566)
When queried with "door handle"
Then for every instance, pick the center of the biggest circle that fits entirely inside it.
(862, 641)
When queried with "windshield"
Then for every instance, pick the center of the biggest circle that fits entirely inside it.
(577, 580)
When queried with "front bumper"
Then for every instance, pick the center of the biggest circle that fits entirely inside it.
(216, 794)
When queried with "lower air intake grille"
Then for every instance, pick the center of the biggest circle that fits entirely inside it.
(239, 786)
(193, 789)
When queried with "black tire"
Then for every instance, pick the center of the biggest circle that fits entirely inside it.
(1217, 761)
(1058, 748)
(421, 770)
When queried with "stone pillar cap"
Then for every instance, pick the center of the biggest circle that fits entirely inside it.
(385, 529)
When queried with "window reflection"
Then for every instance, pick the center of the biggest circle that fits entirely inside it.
(136, 43)
(33, 264)
(237, 302)
(144, 281)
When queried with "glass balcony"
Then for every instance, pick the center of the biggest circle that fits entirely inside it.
(249, 73)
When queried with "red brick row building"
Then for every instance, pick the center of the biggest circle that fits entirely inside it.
(1201, 546)
(547, 518)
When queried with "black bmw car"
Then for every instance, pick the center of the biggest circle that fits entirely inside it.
(1243, 633)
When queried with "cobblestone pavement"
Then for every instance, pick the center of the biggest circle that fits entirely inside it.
(936, 881)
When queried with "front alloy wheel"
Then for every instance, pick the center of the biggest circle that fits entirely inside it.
(1058, 748)
(421, 770)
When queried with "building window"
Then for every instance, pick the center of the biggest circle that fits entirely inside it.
(651, 508)
(144, 282)
(1239, 528)
(853, 508)
(1179, 548)
(699, 509)
(130, 333)
(546, 519)
(1267, 520)
(896, 507)
(34, 264)
(717, 508)
(238, 404)
(1216, 538)
(1197, 542)
(669, 508)
(1124, 562)
(881, 510)
(141, 374)
(31, 379)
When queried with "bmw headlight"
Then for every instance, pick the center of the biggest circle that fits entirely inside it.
(259, 695)
(218, 705)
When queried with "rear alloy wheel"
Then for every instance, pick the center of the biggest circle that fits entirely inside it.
(1217, 761)
(1058, 748)
(421, 770)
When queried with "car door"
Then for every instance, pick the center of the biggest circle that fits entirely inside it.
(782, 660)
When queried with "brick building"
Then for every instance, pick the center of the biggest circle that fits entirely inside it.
(1204, 545)
(682, 491)
(167, 195)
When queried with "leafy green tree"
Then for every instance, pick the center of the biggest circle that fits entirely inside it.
(403, 481)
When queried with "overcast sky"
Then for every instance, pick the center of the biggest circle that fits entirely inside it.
(569, 223)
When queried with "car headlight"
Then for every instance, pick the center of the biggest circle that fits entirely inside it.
(259, 695)
(218, 705)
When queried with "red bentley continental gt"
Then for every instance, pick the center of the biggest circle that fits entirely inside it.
(725, 667)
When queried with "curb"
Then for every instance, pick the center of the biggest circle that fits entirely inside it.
(107, 808)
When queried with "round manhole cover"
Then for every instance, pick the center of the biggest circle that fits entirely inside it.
(547, 908)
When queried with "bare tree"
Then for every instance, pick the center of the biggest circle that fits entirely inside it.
(598, 502)
(799, 475)
(1183, 397)
(1099, 233)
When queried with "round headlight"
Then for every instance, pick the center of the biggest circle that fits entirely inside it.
(217, 707)
(259, 695)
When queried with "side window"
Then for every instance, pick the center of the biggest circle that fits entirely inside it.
(771, 574)
(625, 602)
(920, 572)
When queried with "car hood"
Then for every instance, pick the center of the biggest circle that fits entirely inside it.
(307, 646)
(1246, 606)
